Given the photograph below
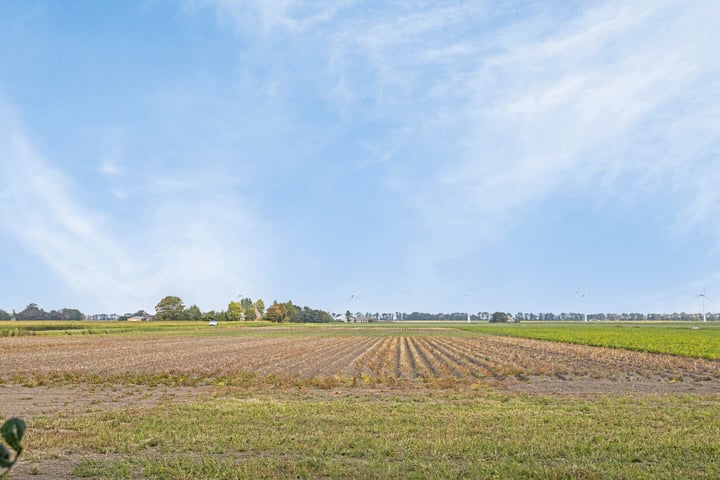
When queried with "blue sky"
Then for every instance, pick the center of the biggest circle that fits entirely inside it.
(405, 152)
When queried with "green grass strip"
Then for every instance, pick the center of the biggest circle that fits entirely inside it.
(703, 341)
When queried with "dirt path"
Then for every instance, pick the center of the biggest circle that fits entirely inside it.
(30, 402)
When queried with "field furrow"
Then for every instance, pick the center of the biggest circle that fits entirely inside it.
(425, 367)
(446, 366)
(409, 366)
(374, 360)
(477, 359)
(340, 362)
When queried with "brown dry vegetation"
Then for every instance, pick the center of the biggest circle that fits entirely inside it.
(413, 356)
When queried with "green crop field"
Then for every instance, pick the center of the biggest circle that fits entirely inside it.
(694, 340)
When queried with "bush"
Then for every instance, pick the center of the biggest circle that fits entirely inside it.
(12, 432)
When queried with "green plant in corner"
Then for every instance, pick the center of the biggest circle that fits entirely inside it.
(12, 432)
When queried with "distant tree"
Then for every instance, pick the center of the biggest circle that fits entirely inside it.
(193, 313)
(170, 308)
(288, 312)
(260, 307)
(4, 315)
(294, 312)
(500, 317)
(234, 312)
(248, 309)
(250, 314)
(274, 313)
(246, 302)
(278, 313)
(311, 315)
(349, 316)
(213, 315)
(67, 314)
(33, 312)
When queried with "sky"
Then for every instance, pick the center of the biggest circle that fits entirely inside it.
(432, 156)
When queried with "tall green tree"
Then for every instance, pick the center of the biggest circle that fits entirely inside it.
(234, 312)
(278, 313)
(71, 314)
(4, 315)
(193, 313)
(500, 317)
(33, 312)
(288, 312)
(213, 315)
(170, 308)
(250, 314)
(248, 308)
(260, 306)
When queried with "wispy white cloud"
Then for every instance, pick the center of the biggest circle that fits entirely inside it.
(38, 209)
(543, 106)
(295, 15)
(487, 109)
(198, 245)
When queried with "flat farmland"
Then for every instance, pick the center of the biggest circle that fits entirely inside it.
(351, 401)
(335, 356)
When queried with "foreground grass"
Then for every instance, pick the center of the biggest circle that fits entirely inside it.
(673, 338)
(433, 435)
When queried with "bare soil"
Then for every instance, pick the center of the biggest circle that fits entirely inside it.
(29, 402)
(429, 356)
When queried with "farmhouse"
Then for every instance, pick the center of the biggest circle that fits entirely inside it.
(141, 316)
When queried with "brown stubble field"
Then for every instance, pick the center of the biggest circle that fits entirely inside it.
(406, 357)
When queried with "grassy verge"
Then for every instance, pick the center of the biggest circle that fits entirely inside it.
(676, 339)
(440, 435)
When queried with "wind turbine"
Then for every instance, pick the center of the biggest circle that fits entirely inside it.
(704, 297)
(584, 302)
(405, 304)
(352, 303)
(468, 306)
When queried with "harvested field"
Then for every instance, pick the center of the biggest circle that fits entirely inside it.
(411, 356)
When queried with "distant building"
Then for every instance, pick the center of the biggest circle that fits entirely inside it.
(141, 316)
(110, 317)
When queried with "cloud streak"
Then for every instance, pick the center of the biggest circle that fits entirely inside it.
(486, 110)
(190, 246)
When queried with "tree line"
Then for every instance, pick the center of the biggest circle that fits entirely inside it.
(520, 316)
(172, 308)
(33, 312)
